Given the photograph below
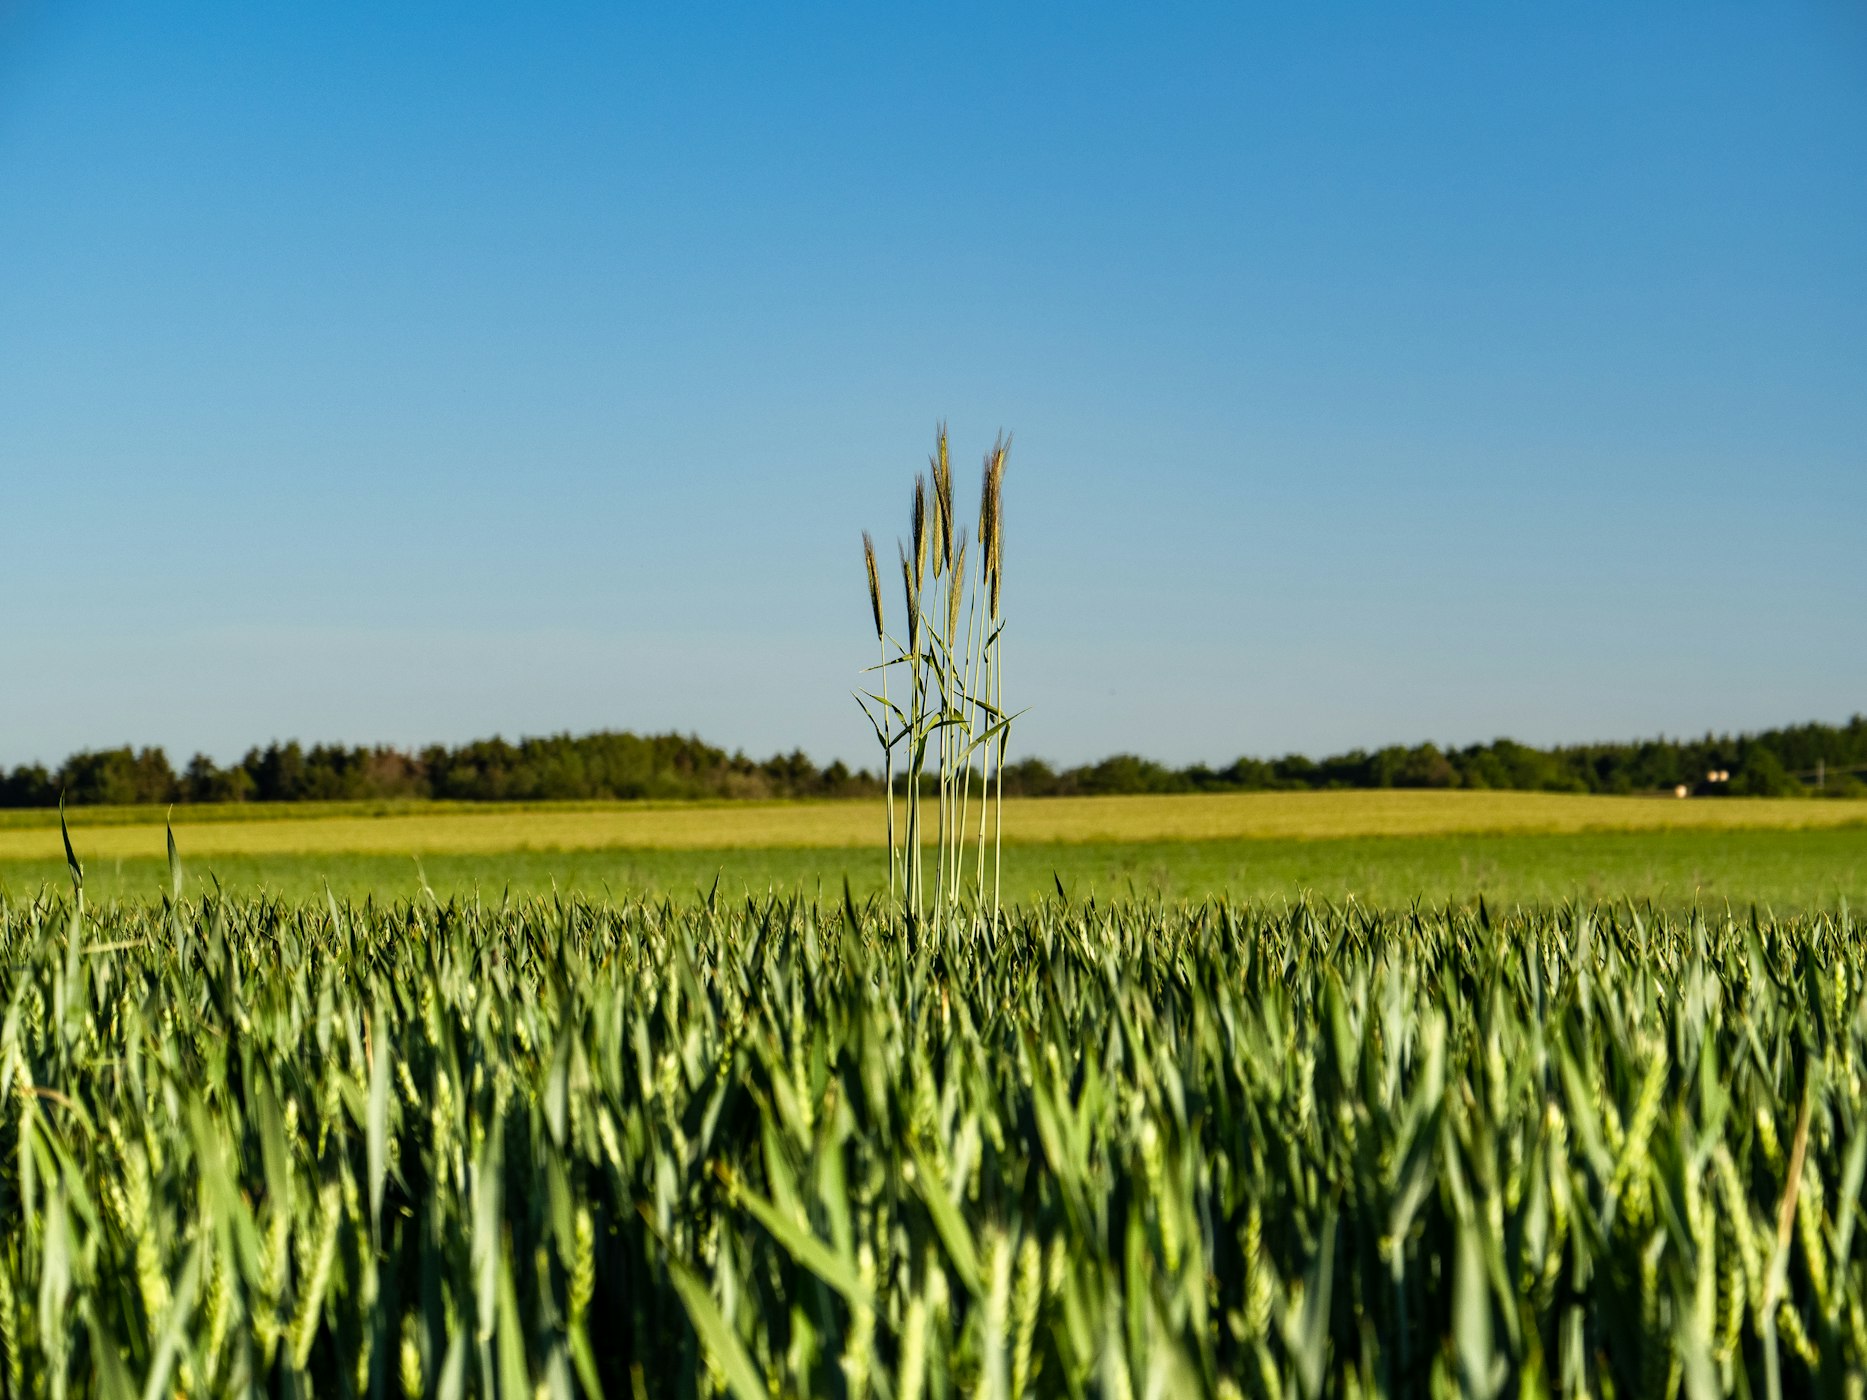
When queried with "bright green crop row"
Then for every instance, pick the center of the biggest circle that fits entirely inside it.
(682, 1150)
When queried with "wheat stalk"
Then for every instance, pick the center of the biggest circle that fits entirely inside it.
(953, 705)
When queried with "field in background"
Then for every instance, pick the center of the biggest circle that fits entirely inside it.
(1383, 847)
(457, 828)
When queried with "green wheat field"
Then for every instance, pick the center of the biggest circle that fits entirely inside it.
(1281, 1095)
(1358, 1093)
(777, 1146)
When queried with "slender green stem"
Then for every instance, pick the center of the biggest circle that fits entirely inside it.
(917, 738)
(978, 649)
(1004, 739)
(888, 770)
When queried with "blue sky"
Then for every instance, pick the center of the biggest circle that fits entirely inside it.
(397, 373)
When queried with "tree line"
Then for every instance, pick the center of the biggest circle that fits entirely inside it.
(1809, 758)
(559, 767)
(1824, 759)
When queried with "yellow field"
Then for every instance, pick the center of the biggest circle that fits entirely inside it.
(620, 826)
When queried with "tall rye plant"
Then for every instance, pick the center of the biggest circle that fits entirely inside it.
(953, 711)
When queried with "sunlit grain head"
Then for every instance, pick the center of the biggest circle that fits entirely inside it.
(995, 493)
(955, 593)
(910, 588)
(988, 519)
(875, 581)
(920, 531)
(942, 466)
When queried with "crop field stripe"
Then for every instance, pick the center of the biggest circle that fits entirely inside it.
(1230, 816)
(1784, 870)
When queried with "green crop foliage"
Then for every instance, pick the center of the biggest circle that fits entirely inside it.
(773, 1148)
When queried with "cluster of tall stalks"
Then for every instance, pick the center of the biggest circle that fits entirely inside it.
(948, 654)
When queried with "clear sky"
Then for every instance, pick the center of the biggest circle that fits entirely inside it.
(1378, 373)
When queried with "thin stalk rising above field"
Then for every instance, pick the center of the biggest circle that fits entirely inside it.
(954, 702)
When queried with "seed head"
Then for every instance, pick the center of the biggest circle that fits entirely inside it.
(955, 586)
(943, 502)
(875, 581)
(988, 515)
(995, 494)
(911, 588)
(920, 531)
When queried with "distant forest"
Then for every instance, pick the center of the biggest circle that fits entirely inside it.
(1813, 759)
